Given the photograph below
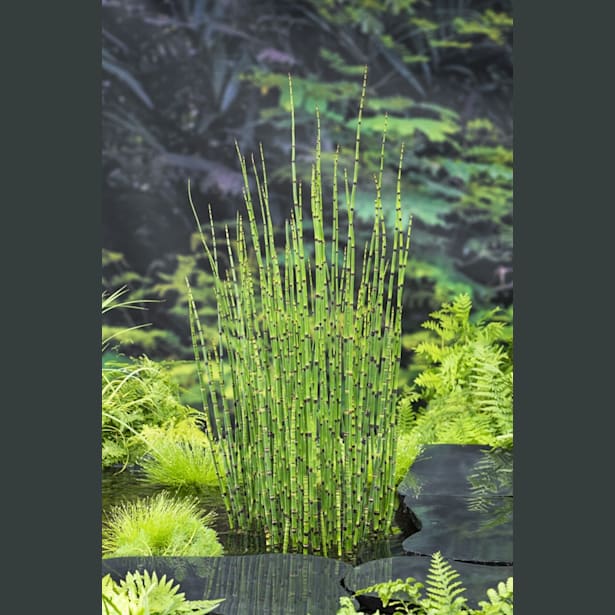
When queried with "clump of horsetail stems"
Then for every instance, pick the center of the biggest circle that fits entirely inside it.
(310, 458)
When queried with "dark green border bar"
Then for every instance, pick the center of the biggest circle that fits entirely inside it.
(50, 297)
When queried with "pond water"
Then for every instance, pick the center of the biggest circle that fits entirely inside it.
(129, 485)
(456, 499)
(440, 495)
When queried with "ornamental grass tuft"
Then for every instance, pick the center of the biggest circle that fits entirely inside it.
(179, 456)
(160, 525)
(307, 454)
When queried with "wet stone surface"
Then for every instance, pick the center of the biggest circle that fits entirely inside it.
(458, 529)
(474, 577)
(461, 499)
(463, 470)
(265, 584)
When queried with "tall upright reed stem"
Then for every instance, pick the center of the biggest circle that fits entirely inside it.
(308, 453)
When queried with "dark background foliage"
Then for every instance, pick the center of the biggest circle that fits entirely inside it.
(184, 79)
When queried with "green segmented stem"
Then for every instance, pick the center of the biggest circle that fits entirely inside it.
(313, 349)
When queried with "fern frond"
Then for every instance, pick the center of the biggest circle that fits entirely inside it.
(443, 589)
(434, 352)
(430, 381)
(468, 386)
(452, 319)
(434, 326)
(454, 370)
(406, 416)
(347, 606)
(464, 428)
(491, 387)
(461, 306)
(142, 593)
(500, 600)
(494, 331)
(111, 598)
(396, 593)
(157, 594)
(443, 595)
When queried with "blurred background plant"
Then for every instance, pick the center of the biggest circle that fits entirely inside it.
(183, 79)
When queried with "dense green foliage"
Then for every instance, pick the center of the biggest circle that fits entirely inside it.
(136, 395)
(310, 457)
(183, 79)
(142, 593)
(143, 419)
(160, 525)
(464, 393)
(443, 595)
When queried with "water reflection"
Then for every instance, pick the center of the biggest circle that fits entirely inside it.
(263, 584)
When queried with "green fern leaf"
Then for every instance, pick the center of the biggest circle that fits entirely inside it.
(142, 593)
(468, 382)
(396, 592)
(500, 600)
(443, 589)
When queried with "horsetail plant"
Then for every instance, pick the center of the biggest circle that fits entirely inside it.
(308, 454)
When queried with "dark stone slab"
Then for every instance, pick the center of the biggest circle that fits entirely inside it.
(267, 584)
(462, 528)
(475, 578)
(464, 470)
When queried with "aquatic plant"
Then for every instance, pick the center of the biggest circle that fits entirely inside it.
(444, 595)
(160, 525)
(142, 593)
(309, 453)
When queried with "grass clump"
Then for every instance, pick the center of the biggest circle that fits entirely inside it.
(179, 456)
(160, 525)
(136, 394)
(114, 301)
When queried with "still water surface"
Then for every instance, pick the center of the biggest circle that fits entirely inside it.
(129, 485)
